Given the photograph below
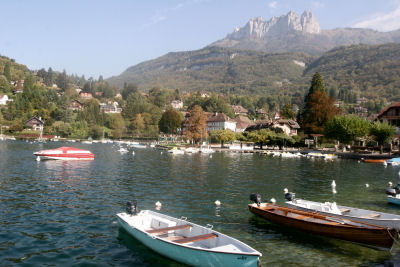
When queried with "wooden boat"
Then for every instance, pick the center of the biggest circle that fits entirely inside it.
(374, 160)
(64, 153)
(186, 242)
(330, 226)
(360, 215)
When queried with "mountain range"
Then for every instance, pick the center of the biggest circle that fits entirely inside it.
(279, 56)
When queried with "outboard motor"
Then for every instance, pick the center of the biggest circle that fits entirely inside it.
(391, 192)
(132, 207)
(289, 196)
(256, 198)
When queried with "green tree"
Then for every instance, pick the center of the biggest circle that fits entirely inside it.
(382, 132)
(7, 70)
(137, 124)
(128, 89)
(287, 111)
(223, 136)
(347, 128)
(4, 84)
(261, 137)
(170, 121)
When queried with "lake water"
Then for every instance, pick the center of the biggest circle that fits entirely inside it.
(63, 212)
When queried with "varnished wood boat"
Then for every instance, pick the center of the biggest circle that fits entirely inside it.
(374, 160)
(330, 226)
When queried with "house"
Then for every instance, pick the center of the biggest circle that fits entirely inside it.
(19, 87)
(361, 112)
(118, 95)
(75, 105)
(177, 104)
(78, 89)
(35, 123)
(85, 95)
(391, 115)
(239, 110)
(289, 127)
(100, 94)
(3, 99)
(220, 121)
(261, 112)
(110, 107)
(277, 116)
(242, 122)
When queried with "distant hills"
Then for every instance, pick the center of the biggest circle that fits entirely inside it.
(294, 33)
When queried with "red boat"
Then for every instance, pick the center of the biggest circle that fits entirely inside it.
(375, 160)
(64, 153)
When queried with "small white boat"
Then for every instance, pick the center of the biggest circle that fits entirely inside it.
(184, 241)
(123, 150)
(191, 150)
(176, 151)
(360, 215)
(64, 153)
(206, 149)
(138, 146)
(393, 161)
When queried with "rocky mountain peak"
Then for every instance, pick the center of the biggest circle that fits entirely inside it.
(259, 28)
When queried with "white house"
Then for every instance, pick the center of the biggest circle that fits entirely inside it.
(110, 107)
(3, 99)
(177, 104)
(220, 121)
(289, 127)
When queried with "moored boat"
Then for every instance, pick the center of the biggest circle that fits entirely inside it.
(374, 160)
(184, 241)
(393, 161)
(360, 215)
(176, 151)
(64, 153)
(329, 226)
(394, 199)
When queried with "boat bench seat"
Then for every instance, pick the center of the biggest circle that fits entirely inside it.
(167, 229)
(195, 238)
(344, 210)
(371, 215)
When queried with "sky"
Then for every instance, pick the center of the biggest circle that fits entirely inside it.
(99, 37)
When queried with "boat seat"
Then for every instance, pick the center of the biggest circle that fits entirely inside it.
(167, 229)
(371, 215)
(195, 238)
(344, 210)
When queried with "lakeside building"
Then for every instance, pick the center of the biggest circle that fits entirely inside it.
(289, 127)
(220, 121)
(35, 123)
(391, 115)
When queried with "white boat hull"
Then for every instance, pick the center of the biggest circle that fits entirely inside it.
(360, 215)
(189, 254)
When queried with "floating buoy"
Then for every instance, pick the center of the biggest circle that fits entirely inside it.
(133, 152)
(367, 185)
(217, 202)
(359, 161)
(333, 184)
(334, 191)
(158, 204)
(390, 184)
(210, 156)
(37, 158)
(273, 200)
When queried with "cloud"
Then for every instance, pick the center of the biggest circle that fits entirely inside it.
(273, 4)
(382, 22)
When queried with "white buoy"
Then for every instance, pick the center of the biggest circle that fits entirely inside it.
(217, 202)
(285, 190)
(210, 156)
(37, 158)
(161, 152)
(273, 200)
(158, 204)
(334, 191)
(333, 184)
(359, 161)
(367, 185)
(390, 184)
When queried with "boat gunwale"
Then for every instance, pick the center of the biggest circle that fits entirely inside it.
(255, 253)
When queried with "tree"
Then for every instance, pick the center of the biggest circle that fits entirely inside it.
(138, 124)
(318, 109)
(196, 124)
(347, 128)
(7, 70)
(128, 89)
(287, 111)
(382, 132)
(261, 137)
(170, 121)
(62, 80)
(223, 136)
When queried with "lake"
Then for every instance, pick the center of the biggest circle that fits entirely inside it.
(63, 212)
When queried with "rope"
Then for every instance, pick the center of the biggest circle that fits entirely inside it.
(394, 239)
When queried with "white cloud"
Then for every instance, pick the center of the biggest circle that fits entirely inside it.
(382, 22)
(272, 4)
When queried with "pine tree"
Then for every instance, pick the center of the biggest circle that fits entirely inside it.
(7, 70)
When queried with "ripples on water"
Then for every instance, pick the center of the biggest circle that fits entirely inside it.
(63, 212)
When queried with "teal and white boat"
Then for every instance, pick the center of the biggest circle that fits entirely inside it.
(185, 242)
(394, 199)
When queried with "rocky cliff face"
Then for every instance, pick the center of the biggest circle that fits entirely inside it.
(258, 28)
(294, 33)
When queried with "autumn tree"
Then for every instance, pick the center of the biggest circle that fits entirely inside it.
(196, 124)
(170, 121)
(318, 108)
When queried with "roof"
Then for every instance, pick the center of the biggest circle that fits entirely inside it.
(240, 119)
(218, 117)
(239, 109)
(34, 119)
(396, 105)
(293, 124)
